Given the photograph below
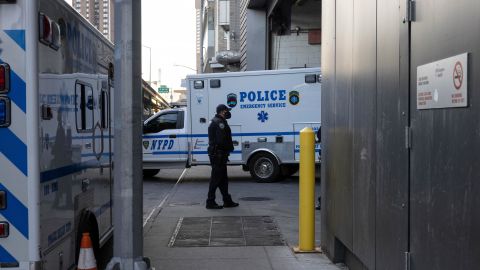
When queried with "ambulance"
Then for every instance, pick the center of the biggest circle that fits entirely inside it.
(55, 134)
(269, 109)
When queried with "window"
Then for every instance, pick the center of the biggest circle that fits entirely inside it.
(167, 121)
(198, 84)
(170, 120)
(104, 108)
(84, 105)
(215, 83)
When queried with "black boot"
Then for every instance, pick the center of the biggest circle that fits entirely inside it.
(213, 205)
(319, 206)
(230, 203)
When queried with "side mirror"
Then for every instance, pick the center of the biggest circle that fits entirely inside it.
(152, 127)
(147, 128)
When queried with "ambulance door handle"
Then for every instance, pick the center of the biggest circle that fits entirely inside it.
(88, 145)
(203, 120)
(172, 136)
(235, 143)
(85, 184)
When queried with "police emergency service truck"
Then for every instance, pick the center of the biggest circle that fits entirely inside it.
(55, 134)
(269, 108)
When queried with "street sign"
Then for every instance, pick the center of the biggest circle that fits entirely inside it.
(163, 89)
(443, 84)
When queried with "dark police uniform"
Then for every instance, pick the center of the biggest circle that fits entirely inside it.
(220, 145)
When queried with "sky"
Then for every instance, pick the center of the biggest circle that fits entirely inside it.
(168, 32)
(168, 27)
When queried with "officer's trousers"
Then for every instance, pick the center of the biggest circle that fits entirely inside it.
(219, 178)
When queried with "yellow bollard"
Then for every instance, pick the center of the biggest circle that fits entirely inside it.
(307, 192)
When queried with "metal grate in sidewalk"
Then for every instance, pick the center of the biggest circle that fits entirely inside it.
(226, 231)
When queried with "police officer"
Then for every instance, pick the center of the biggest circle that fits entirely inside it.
(220, 146)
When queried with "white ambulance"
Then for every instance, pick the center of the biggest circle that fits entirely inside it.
(55, 134)
(269, 108)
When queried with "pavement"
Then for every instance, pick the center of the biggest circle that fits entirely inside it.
(174, 201)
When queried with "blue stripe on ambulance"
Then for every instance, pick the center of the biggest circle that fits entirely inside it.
(18, 36)
(184, 152)
(18, 94)
(6, 257)
(233, 134)
(11, 145)
(66, 170)
(316, 150)
(16, 213)
(13, 149)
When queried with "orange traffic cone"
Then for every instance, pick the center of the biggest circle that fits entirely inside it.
(86, 259)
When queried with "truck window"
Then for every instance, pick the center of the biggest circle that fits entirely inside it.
(198, 84)
(84, 104)
(163, 122)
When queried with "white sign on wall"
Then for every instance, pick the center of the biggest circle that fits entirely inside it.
(443, 84)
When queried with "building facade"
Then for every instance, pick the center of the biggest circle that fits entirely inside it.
(218, 35)
(100, 13)
(280, 34)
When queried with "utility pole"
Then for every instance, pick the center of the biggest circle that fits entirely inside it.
(127, 187)
(150, 63)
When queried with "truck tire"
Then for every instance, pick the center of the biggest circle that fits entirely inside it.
(150, 172)
(289, 169)
(264, 168)
(88, 223)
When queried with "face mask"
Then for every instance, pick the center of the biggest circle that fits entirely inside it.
(228, 115)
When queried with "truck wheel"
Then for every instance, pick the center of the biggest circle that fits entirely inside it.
(264, 168)
(88, 223)
(150, 172)
(289, 170)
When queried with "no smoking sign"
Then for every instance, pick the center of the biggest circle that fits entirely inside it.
(458, 75)
(443, 83)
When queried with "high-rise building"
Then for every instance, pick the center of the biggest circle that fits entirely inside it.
(99, 13)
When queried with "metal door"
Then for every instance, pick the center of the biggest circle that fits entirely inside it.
(445, 153)
(163, 146)
(392, 155)
(199, 120)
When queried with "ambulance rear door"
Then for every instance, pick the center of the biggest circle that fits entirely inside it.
(198, 104)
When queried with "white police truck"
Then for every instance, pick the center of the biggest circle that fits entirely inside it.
(55, 134)
(269, 108)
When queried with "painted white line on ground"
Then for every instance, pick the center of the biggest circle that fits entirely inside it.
(165, 198)
(177, 229)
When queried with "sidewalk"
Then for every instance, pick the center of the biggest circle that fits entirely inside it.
(278, 201)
